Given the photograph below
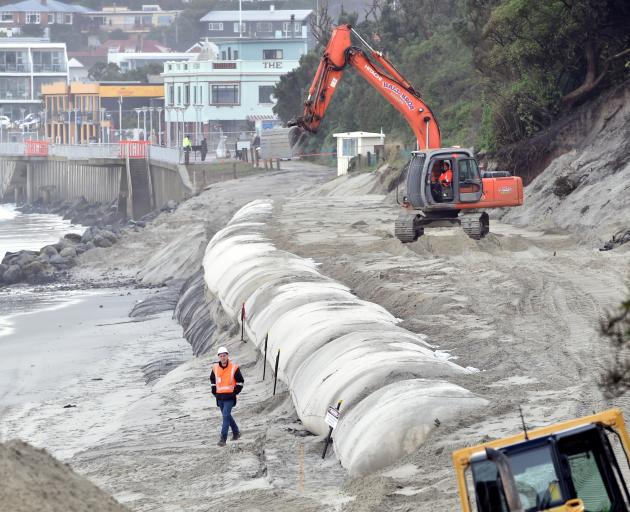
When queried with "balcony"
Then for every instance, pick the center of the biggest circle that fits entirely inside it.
(14, 95)
(14, 68)
(49, 68)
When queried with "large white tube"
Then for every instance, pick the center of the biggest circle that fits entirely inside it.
(333, 346)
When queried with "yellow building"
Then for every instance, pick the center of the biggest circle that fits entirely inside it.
(73, 112)
(80, 113)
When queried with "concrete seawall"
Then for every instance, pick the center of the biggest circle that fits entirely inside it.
(105, 180)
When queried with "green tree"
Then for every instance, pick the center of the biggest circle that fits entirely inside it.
(616, 328)
(540, 58)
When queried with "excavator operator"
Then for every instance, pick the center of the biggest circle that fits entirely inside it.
(436, 188)
(446, 181)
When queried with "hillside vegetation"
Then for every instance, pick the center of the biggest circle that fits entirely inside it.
(493, 71)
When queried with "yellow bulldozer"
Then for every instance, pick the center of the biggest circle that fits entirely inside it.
(580, 465)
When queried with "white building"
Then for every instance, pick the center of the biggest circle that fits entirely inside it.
(351, 144)
(25, 65)
(127, 61)
(230, 95)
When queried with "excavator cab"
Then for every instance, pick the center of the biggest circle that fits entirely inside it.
(581, 465)
(426, 187)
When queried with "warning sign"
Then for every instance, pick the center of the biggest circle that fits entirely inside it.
(332, 416)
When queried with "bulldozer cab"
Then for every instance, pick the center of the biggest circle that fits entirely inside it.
(430, 185)
(580, 468)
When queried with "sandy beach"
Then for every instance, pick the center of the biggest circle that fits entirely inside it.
(529, 338)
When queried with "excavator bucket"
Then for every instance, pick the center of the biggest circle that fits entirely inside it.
(297, 139)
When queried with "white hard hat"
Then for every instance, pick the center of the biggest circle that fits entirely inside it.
(222, 350)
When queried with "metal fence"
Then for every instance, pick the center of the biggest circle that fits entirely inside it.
(163, 154)
(11, 148)
(85, 151)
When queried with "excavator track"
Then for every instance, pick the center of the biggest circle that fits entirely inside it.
(476, 226)
(405, 229)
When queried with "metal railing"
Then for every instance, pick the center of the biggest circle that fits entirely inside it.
(12, 148)
(85, 151)
(164, 154)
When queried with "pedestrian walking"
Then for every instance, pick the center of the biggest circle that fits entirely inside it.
(227, 382)
(204, 149)
(187, 145)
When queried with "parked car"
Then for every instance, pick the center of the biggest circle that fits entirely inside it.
(5, 122)
(30, 122)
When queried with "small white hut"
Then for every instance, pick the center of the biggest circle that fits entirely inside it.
(351, 144)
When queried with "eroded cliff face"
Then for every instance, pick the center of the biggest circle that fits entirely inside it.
(578, 171)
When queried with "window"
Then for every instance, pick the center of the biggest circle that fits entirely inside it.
(32, 18)
(15, 88)
(48, 61)
(272, 54)
(297, 27)
(59, 17)
(179, 95)
(7, 17)
(286, 28)
(187, 94)
(67, 19)
(242, 28)
(13, 61)
(170, 94)
(264, 27)
(265, 92)
(51, 18)
(235, 54)
(225, 94)
(468, 170)
(215, 26)
(349, 147)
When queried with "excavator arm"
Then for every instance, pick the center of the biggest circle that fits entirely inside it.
(379, 72)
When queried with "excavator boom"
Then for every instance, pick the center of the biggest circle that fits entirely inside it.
(379, 73)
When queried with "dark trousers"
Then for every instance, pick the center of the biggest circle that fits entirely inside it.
(228, 421)
(186, 156)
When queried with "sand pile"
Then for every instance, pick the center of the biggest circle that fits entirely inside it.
(34, 480)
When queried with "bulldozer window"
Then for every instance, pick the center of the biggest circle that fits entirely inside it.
(535, 475)
(592, 468)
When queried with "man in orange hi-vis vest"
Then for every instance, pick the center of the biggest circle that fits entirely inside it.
(227, 382)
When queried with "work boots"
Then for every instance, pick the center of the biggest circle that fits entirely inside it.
(236, 436)
(221, 442)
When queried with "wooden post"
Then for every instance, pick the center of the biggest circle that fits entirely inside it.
(275, 378)
(329, 436)
(265, 359)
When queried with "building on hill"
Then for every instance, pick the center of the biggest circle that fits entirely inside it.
(132, 45)
(26, 64)
(131, 21)
(128, 61)
(40, 12)
(287, 24)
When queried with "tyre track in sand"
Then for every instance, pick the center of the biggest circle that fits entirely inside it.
(521, 306)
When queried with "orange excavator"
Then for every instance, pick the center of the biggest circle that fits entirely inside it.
(444, 186)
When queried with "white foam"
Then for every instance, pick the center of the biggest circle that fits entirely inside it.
(7, 212)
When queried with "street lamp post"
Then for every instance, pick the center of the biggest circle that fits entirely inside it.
(120, 102)
(159, 113)
(144, 122)
(102, 111)
(138, 110)
(151, 109)
(169, 125)
(198, 122)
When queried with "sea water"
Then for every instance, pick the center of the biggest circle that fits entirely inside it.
(32, 231)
